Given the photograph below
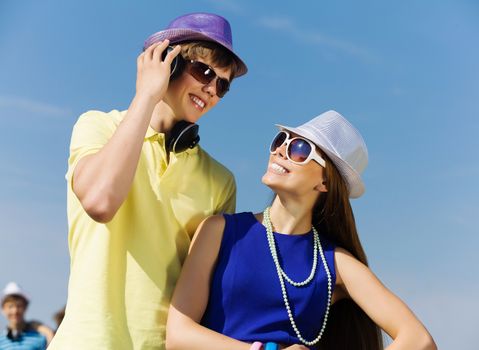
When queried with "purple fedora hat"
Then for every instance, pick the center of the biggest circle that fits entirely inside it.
(199, 26)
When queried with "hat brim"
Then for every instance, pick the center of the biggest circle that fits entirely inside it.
(353, 179)
(17, 295)
(176, 36)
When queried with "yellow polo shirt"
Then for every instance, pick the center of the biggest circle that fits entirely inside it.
(122, 273)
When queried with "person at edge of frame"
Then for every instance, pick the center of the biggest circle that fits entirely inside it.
(21, 334)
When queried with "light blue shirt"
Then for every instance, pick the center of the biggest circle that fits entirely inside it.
(27, 340)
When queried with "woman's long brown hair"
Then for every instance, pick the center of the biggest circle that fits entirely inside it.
(348, 327)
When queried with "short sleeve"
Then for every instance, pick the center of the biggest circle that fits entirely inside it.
(90, 133)
(227, 202)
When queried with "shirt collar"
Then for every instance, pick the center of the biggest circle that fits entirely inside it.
(17, 335)
(152, 133)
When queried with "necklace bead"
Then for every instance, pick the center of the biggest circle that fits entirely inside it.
(282, 274)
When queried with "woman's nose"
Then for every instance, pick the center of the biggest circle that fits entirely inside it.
(281, 150)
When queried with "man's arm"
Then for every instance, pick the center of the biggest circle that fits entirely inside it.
(101, 181)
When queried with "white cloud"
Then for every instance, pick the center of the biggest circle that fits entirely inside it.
(278, 23)
(32, 106)
(288, 26)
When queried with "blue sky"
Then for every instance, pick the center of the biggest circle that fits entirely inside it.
(405, 73)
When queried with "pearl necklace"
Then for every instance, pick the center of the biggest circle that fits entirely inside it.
(281, 274)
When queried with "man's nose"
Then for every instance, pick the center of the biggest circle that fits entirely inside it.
(210, 88)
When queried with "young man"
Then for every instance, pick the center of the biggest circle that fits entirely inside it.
(20, 334)
(138, 186)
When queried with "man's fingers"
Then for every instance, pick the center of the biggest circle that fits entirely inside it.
(159, 46)
(158, 50)
(172, 54)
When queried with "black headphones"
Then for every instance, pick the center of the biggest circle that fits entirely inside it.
(177, 65)
(182, 136)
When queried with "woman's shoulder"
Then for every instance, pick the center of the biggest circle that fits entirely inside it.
(213, 222)
(341, 253)
(208, 235)
(238, 216)
(347, 264)
(216, 223)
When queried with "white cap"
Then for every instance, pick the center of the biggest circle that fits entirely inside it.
(14, 289)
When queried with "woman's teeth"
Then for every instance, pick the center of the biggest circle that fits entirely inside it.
(278, 168)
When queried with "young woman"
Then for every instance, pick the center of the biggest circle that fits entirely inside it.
(294, 276)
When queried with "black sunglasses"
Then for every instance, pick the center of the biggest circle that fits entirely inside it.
(205, 75)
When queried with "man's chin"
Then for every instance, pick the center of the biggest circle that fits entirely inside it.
(16, 323)
(192, 118)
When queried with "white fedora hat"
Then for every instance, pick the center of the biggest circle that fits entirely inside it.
(341, 142)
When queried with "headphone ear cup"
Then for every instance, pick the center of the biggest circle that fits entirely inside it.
(177, 67)
(173, 135)
(182, 136)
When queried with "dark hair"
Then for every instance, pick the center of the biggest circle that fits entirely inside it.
(59, 316)
(15, 297)
(348, 325)
(217, 53)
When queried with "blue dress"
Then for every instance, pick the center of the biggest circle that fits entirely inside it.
(246, 301)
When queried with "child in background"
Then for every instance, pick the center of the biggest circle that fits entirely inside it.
(21, 334)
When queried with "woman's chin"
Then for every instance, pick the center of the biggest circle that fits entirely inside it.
(265, 179)
(271, 182)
